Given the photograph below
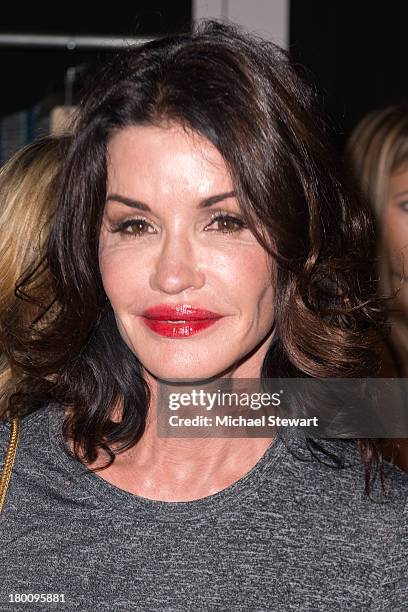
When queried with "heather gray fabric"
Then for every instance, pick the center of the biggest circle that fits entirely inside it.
(290, 535)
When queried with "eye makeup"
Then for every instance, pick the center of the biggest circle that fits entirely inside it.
(127, 226)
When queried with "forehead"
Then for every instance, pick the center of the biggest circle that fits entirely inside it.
(399, 179)
(170, 155)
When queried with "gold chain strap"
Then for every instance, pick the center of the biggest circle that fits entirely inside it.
(8, 463)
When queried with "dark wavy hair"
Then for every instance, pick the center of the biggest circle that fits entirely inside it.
(243, 95)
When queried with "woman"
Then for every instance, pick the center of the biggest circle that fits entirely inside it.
(28, 190)
(378, 151)
(202, 232)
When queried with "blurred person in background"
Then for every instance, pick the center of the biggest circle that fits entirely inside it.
(28, 193)
(378, 151)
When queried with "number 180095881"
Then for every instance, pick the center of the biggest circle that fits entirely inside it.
(36, 598)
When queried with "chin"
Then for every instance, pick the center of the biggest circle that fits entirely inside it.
(185, 373)
(177, 376)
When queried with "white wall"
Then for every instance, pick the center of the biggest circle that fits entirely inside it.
(269, 18)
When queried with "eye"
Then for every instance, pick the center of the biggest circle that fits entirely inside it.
(228, 223)
(404, 206)
(132, 228)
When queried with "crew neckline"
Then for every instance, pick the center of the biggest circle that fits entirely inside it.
(112, 495)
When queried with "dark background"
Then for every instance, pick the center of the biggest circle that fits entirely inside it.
(30, 75)
(355, 52)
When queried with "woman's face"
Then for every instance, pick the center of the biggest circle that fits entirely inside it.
(395, 227)
(167, 254)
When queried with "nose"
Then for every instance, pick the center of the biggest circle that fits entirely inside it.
(176, 267)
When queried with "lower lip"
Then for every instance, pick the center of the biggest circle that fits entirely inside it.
(178, 330)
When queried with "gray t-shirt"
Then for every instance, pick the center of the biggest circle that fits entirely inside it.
(292, 534)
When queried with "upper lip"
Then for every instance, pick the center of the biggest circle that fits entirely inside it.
(179, 312)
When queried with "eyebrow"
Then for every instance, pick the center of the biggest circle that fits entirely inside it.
(399, 194)
(115, 197)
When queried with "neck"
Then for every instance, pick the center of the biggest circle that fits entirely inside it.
(184, 469)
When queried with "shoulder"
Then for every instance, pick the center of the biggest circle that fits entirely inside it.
(28, 425)
(331, 474)
(391, 572)
(5, 431)
(382, 522)
(328, 495)
(340, 459)
(389, 496)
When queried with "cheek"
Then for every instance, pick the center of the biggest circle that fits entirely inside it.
(395, 238)
(122, 278)
(254, 283)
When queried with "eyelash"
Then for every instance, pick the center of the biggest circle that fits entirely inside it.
(219, 216)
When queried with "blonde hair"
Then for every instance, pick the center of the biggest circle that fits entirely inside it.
(377, 148)
(28, 191)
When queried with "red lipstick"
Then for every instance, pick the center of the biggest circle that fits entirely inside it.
(178, 321)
